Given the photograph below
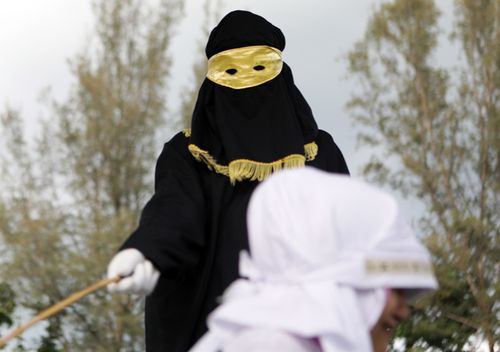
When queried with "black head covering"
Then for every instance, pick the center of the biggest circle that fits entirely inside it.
(242, 28)
(262, 124)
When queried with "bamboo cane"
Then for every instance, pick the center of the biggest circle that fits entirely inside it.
(47, 313)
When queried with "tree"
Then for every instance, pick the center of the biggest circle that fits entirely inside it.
(76, 191)
(7, 304)
(437, 133)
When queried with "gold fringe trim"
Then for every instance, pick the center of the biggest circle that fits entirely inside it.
(204, 156)
(244, 169)
(310, 151)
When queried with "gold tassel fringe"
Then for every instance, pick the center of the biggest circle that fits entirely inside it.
(253, 170)
(310, 151)
(204, 156)
(244, 169)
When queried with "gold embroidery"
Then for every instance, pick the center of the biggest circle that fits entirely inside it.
(397, 267)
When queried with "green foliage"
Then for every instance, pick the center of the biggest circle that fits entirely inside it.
(47, 343)
(75, 191)
(437, 136)
(7, 304)
(438, 320)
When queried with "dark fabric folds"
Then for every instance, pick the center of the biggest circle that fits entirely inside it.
(265, 123)
(242, 28)
(194, 226)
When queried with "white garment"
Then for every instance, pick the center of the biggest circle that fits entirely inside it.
(264, 340)
(323, 247)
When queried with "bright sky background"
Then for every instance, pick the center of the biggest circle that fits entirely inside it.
(38, 37)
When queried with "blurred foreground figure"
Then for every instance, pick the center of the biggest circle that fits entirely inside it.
(250, 120)
(332, 266)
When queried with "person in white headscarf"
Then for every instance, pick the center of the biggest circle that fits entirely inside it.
(332, 266)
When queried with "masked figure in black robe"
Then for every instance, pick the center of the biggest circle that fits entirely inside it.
(250, 120)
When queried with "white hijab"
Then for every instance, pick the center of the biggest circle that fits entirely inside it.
(323, 247)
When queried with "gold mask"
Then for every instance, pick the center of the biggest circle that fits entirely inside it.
(245, 67)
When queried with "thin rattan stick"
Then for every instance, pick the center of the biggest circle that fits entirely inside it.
(57, 307)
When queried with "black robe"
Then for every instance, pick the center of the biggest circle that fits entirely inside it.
(193, 229)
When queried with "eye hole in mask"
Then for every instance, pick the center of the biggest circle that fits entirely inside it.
(259, 68)
(231, 71)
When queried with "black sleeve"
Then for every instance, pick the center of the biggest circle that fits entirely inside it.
(171, 228)
(329, 157)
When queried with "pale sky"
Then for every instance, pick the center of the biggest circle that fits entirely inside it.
(38, 37)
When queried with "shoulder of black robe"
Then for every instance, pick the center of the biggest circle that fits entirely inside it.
(329, 157)
(174, 234)
(169, 232)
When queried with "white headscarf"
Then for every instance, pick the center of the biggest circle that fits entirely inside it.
(323, 247)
